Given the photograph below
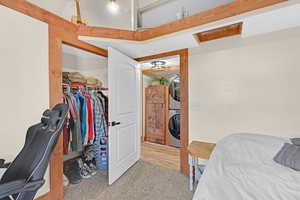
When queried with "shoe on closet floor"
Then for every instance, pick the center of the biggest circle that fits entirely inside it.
(84, 169)
(90, 169)
(66, 181)
(72, 171)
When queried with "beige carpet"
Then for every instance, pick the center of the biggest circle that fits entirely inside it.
(144, 181)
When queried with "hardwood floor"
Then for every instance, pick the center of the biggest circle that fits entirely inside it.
(162, 155)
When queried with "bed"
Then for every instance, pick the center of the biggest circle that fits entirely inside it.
(241, 167)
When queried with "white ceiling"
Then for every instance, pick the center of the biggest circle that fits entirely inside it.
(287, 16)
(170, 62)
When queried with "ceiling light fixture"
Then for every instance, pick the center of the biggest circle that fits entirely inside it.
(158, 64)
(113, 6)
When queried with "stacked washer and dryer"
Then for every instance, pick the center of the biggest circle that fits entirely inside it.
(174, 111)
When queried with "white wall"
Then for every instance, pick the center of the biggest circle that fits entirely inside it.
(95, 11)
(24, 79)
(245, 85)
(168, 12)
(95, 66)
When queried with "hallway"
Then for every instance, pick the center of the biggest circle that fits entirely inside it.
(162, 155)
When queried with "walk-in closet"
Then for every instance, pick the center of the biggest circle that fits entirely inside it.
(85, 134)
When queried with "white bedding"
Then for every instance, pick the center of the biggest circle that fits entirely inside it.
(241, 167)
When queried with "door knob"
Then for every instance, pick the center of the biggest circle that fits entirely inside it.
(114, 123)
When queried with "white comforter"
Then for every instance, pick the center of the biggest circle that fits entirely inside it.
(242, 168)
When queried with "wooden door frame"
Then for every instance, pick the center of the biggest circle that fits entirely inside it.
(184, 102)
(57, 37)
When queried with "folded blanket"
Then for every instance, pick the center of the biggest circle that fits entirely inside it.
(289, 156)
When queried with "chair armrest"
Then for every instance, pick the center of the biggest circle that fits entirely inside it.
(18, 186)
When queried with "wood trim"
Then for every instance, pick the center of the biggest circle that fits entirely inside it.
(161, 55)
(184, 113)
(184, 117)
(218, 33)
(57, 37)
(55, 81)
(109, 33)
(225, 11)
(165, 69)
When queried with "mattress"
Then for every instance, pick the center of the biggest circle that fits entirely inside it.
(241, 167)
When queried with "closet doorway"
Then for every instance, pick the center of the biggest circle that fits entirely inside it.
(85, 135)
(161, 108)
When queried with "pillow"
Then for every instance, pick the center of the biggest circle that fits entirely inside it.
(295, 141)
(289, 156)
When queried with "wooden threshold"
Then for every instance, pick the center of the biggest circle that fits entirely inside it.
(218, 33)
(162, 155)
(165, 69)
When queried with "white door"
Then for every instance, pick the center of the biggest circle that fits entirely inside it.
(124, 113)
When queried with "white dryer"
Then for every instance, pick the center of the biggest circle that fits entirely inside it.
(174, 128)
(174, 93)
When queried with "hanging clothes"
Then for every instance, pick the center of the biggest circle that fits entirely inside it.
(91, 134)
(87, 124)
(83, 115)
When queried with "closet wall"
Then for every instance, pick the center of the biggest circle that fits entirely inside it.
(245, 85)
(24, 80)
(87, 65)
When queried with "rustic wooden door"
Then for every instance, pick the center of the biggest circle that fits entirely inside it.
(156, 103)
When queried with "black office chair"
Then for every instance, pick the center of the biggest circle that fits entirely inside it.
(25, 175)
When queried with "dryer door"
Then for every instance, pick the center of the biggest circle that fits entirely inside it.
(174, 126)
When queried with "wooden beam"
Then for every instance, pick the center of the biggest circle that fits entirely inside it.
(184, 110)
(222, 32)
(56, 96)
(109, 33)
(161, 55)
(165, 69)
(229, 10)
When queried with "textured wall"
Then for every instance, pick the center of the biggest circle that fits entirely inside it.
(24, 80)
(245, 85)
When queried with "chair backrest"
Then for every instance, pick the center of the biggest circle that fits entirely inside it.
(32, 162)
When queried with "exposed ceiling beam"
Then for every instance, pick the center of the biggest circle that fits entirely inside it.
(111, 33)
(225, 11)
(229, 10)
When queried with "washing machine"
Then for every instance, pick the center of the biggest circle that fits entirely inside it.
(174, 128)
(174, 93)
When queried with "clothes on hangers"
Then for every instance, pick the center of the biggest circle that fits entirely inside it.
(87, 124)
